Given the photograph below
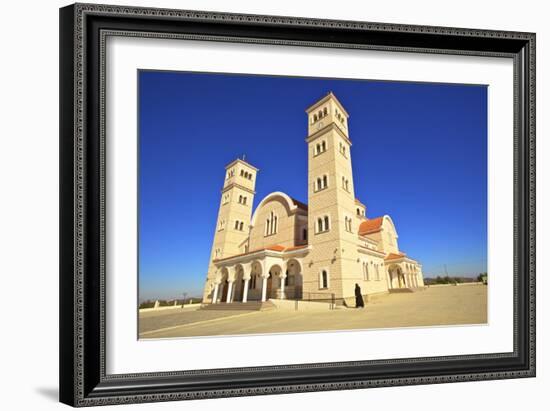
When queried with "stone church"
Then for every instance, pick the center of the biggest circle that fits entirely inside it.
(319, 251)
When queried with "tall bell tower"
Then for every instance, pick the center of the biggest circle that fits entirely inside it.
(333, 266)
(232, 230)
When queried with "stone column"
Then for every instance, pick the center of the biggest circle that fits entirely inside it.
(282, 278)
(215, 296)
(247, 272)
(229, 290)
(264, 288)
(245, 290)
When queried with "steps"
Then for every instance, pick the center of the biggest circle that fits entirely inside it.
(248, 306)
(406, 290)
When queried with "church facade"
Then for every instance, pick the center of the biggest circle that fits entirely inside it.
(286, 249)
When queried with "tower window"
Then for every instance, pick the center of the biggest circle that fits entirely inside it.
(322, 183)
(342, 149)
(325, 111)
(323, 279)
(326, 223)
(345, 183)
(242, 200)
(320, 148)
(348, 223)
(304, 234)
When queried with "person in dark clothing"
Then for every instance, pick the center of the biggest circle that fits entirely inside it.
(358, 297)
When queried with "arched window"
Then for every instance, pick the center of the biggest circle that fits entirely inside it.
(244, 200)
(317, 149)
(348, 224)
(271, 224)
(367, 276)
(236, 225)
(324, 146)
(319, 186)
(323, 279)
(320, 114)
(314, 117)
(325, 111)
(377, 272)
(242, 173)
(325, 181)
(241, 226)
(319, 225)
(326, 223)
(358, 212)
(304, 234)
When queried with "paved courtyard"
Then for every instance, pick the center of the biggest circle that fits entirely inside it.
(445, 305)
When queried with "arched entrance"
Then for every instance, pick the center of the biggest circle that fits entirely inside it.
(294, 280)
(255, 283)
(274, 282)
(238, 287)
(396, 277)
(224, 286)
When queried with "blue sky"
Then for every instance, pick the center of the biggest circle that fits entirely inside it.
(419, 154)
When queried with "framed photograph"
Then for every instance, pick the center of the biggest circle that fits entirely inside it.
(261, 204)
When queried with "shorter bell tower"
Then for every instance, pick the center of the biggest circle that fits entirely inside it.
(232, 230)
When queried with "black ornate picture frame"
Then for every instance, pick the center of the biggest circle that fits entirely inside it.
(83, 30)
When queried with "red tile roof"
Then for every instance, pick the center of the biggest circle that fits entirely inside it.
(274, 247)
(371, 226)
(393, 256)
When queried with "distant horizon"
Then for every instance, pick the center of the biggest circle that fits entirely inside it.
(419, 155)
